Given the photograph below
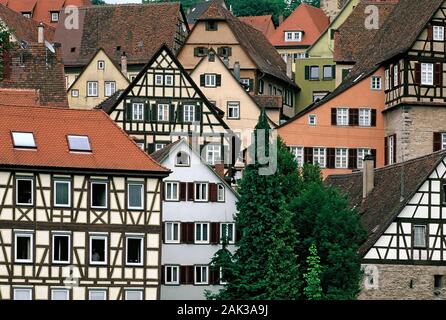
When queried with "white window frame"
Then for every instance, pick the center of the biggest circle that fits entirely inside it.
(438, 33)
(172, 233)
(320, 153)
(310, 118)
(396, 75)
(140, 291)
(387, 79)
(101, 65)
(210, 80)
(159, 146)
(361, 153)
(61, 234)
(293, 36)
(159, 79)
(141, 238)
(66, 291)
(342, 117)
(54, 14)
(170, 184)
(168, 80)
(298, 153)
(141, 193)
(376, 83)
(189, 113)
(29, 290)
(56, 182)
(443, 141)
(424, 238)
(174, 282)
(29, 235)
(341, 158)
(317, 96)
(326, 67)
(196, 196)
(214, 155)
(233, 231)
(202, 268)
(25, 140)
(182, 164)
(91, 195)
(72, 138)
(221, 190)
(201, 241)
(102, 291)
(103, 237)
(75, 93)
(318, 73)
(17, 193)
(92, 88)
(427, 74)
(235, 107)
(163, 112)
(137, 111)
(391, 146)
(365, 117)
(110, 88)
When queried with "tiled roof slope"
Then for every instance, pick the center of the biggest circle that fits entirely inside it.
(257, 46)
(268, 102)
(23, 28)
(161, 154)
(136, 29)
(264, 24)
(352, 36)
(312, 21)
(198, 9)
(384, 203)
(19, 97)
(35, 67)
(108, 104)
(112, 149)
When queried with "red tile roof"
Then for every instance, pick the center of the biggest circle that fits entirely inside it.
(264, 24)
(312, 21)
(23, 28)
(19, 97)
(112, 149)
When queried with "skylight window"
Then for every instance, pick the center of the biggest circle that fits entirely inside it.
(79, 143)
(24, 140)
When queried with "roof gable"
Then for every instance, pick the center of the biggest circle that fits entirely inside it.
(264, 24)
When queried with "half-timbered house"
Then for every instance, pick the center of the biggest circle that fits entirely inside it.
(164, 103)
(403, 209)
(80, 208)
(198, 212)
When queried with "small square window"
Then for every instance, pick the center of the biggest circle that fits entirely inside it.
(62, 193)
(61, 248)
(234, 110)
(210, 80)
(134, 294)
(99, 195)
(24, 140)
(97, 294)
(211, 26)
(182, 159)
(98, 249)
(54, 16)
(201, 274)
(23, 294)
(312, 120)
(135, 196)
(168, 80)
(172, 191)
(60, 294)
(159, 81)
(376, 83)
(134, 251)
(159, 146)
(79, 143)
(25, 191)
(101, 65)
(24, 247)
(342, 116)
(213, 154)
(438, 33)
(172, 232)
(171, 275)
(75, 93)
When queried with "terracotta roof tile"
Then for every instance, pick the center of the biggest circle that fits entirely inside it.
(137, 30)
(264, 24)
(112, 149)
(19, 97)
(268, 102)
(312, 21)
(384, 203)
(198, 9)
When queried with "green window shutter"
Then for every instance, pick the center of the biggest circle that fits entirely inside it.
(218, 80)
(229, 51)
(307, 72)
(196, 52)
(154, 113)
(251, 84)
(345, 73)
(334, 72)
(151, 148)
(198, 113)
(180, 113)
(128, 111)
(147, 112)
(172, 113)
(202, 80)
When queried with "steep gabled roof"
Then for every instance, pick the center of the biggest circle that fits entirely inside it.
(256, 45)
(389, 196)
(112, 149)
(198, 9)
(108, 107)
(108, 104)
(352, 37)
(312, 21)
(134, 29)
(23, 29)
(264, 24)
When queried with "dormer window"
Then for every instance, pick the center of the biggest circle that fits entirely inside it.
(24, 140)
(79, 143)
(54, 16)
(27, 14)
(293, 36)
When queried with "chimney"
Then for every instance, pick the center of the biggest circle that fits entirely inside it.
(237, 70)
(220, 169)
(280, 19)
(124, 64)
(368, 175)
(289, 67)
(40, 33)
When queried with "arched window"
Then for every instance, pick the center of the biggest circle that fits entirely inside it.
(182, 159)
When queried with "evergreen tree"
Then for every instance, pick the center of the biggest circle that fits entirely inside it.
(265, 264)
(313, 290)
(98, 2)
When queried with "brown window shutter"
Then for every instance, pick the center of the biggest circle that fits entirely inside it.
(331, 158)
(214, 276)
(354, 117)
(308, 155)
(190, 191)
(163, 190)
(430, 33)
(353, 159)
(190, 274)
(394, 148)
(373, 120)
(333, 116)
(418, 73)
(191, 232)
(373, 152)
(212, 192)
(183, 191)
(438, 74)
(183, 274)
(163, 233)
(215, 233)
(386, 151)
(184, 232)
(437, 141)
(163, 272)
(238, 234)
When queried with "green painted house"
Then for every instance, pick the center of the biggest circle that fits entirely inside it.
(316, 75)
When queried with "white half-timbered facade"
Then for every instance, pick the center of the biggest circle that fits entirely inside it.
(198, 213)
(80, 208)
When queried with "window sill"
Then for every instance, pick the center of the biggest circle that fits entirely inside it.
(98, 264)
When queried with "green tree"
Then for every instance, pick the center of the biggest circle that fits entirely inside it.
(185, 3)
(98, 2)
(265, 264)
(5, 45)
(313, 289)
(323, 216)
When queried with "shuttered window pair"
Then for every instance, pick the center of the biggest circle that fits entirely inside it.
(190, 191)
(429, 74)
(363, 117)
(189, 275)
(199, 232)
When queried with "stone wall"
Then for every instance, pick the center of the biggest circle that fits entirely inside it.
(402, 282)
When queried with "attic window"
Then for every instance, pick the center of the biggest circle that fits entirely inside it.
(73, 49)
(54, 16)
(24, 140)
(211, 26)
(118, 48)
(79, 143)
(27, 14)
